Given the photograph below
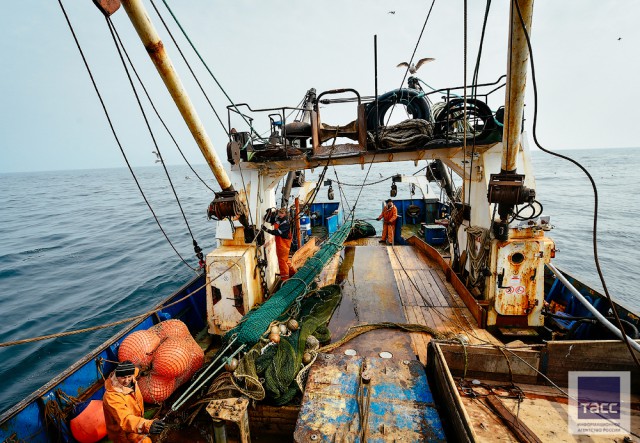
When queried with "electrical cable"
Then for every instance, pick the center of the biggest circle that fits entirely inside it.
(583, 169)
(113, 131)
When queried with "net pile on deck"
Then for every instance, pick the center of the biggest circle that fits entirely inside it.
(257, 321)
(361, 229)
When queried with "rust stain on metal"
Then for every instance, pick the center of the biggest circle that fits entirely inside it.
(155, 48)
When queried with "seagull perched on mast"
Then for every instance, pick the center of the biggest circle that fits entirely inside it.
(414, 68)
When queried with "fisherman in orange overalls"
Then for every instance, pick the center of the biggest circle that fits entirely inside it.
(282, 231)
(124, 408)
(390, 215)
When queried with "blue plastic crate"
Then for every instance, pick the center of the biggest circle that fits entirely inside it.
(435, 234)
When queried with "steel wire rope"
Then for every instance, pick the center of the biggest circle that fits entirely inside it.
(474, 88)
(343, 196)
(113, 131)
(116, 38)
(404, 77)
(625, 339)
(365, 184)
(224, 128)
(135, 71)
(207, 67)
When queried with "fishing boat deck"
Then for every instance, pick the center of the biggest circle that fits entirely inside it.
(399, 284)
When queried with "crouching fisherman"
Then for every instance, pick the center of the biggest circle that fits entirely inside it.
(124, 408)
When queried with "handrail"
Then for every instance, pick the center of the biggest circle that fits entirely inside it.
(601, 318)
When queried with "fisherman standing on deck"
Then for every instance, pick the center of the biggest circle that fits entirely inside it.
(124, 407)
(282, 231)
(390, 215)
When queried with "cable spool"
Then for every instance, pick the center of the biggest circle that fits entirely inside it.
(226, 204)
(415, 101)
(449, 119)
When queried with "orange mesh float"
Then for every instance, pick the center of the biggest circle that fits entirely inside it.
(89, 425)
(171, 328)
(172, 358)
(138, 347)
(197, 357)
(155, 388)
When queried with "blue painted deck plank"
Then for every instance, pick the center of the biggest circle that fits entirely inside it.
(401, 403)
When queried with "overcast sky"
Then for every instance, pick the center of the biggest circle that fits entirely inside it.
(268, 53)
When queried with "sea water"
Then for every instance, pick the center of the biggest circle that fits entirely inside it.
(81, 248)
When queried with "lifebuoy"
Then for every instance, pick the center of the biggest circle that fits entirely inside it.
(413, 211)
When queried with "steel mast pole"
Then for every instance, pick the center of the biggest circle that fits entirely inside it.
(517, 62)
(149, 36)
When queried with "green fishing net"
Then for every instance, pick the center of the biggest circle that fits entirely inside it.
(256, 322)
(361, 229)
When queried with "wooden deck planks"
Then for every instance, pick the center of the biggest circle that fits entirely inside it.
(430, 300)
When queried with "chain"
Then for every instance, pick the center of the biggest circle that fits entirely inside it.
(261, 265)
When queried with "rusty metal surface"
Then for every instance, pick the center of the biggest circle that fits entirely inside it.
(107, 7)
(233, 410)
(401, 406)
(519, 279)
(370, 295)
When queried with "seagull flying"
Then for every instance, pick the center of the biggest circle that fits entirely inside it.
(392, 12)
(414, 68)
(158, 158)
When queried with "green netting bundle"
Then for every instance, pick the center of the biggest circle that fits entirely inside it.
(278, 364)
(256, 322)
(361, 229)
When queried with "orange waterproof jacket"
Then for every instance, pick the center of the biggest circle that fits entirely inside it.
(123, 412)
(390, 215)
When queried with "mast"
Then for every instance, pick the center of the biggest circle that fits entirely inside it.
(149, 36)
(517, 61)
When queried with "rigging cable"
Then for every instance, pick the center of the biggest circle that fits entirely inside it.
(153, 106)
(413, 54)
(474, 89)
(207, 67)
(593, 185)
(224, 128)
(113, 131)
(197, 250)
(479, 258)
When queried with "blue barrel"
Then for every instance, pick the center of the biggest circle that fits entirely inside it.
(305, 224)
(435, 234)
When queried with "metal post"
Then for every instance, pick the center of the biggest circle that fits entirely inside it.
(375, 67)
(149, 36)
(219, 431)
(517, 62)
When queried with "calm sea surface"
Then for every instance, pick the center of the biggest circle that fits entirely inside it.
(80, 248)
